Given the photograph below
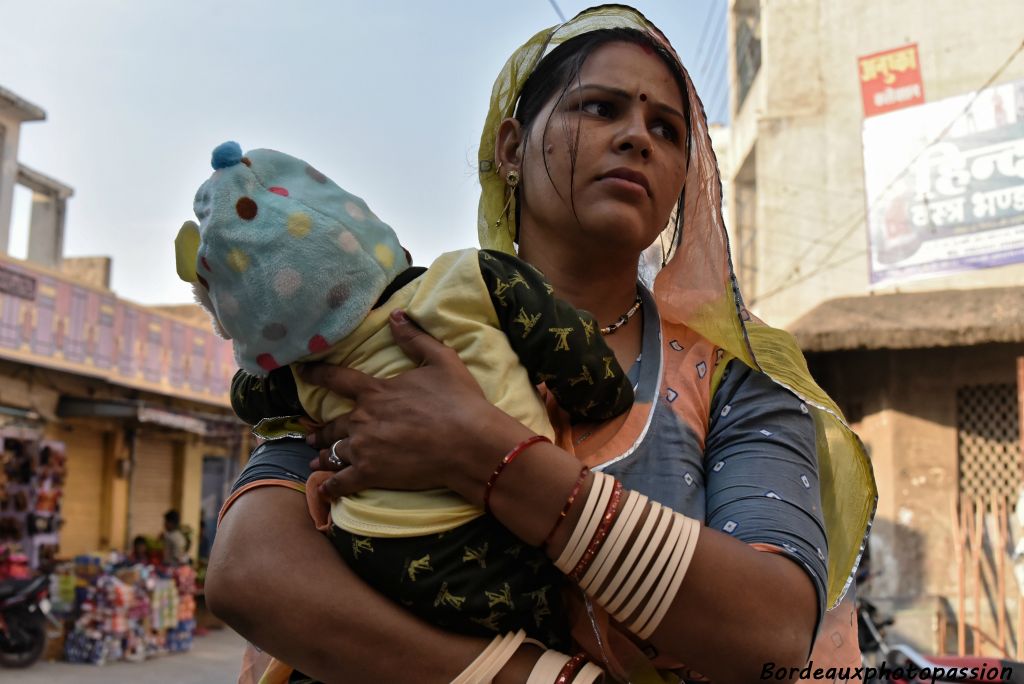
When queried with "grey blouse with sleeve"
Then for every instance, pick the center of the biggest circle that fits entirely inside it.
(756, 477)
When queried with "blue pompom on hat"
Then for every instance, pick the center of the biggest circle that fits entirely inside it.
(226, 154)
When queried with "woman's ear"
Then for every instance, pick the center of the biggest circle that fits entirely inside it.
(508, 149)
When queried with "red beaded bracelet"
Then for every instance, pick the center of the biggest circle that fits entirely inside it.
(568, 504)
(571, 669)
(509, 457)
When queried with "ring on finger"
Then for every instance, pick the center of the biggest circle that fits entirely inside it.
(333, 458)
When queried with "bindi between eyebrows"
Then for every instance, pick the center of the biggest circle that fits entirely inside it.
(622, 94)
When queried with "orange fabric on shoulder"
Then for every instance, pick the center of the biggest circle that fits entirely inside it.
(290, 484)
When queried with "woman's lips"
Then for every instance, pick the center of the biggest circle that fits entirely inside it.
(628, 179)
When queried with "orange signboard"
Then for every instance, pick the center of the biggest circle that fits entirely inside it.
(891, 80)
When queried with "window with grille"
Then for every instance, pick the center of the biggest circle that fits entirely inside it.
(748, 46)
(988, 441)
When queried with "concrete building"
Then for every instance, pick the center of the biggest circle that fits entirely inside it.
(796, 153)
(920, 353)
(123, 407)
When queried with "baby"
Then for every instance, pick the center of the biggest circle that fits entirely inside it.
(292, 268)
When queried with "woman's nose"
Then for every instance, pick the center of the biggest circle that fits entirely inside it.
(634, 136)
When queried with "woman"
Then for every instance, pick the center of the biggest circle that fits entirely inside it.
(594, 140)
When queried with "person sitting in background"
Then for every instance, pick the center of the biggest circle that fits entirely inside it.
(140, 551)
(175, 543)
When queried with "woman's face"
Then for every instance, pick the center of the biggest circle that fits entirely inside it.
(630, 164)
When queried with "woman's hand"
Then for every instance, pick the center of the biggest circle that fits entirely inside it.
(413, 431)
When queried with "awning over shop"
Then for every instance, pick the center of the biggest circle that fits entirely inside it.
(914, 320)
(19, 423)
(207, 425)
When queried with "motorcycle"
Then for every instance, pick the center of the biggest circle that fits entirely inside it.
(902, 664)
(24, 612)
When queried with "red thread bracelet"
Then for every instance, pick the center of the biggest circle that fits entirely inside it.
(571, 669)
(610, 513)
(509, 457)
(568, 504)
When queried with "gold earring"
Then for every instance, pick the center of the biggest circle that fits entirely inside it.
(511, 180)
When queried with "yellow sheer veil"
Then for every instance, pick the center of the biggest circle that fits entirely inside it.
(697, 286)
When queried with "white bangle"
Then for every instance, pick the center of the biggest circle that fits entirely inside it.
(466, 676)
(547, 668)
(645, 544)
(677, 580)
(494, 657)
(612, 548)
(588, 675)
(662, 551)
(593, 512)
(678, 538)
(647, 577)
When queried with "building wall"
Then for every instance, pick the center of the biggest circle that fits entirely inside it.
(99, 512)
(903, 404)
(10, 128)
(90, 270)
(803, 120)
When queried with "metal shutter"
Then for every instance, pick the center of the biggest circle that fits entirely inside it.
(82, 504)
(152, 488)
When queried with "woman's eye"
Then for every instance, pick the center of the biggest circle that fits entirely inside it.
(598, 108)
(666, 131)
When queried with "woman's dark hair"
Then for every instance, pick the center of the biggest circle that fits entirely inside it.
(561, 68)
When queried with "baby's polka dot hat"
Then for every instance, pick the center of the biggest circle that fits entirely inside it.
(291, 262)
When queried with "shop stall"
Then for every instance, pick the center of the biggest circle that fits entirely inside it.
(112, 610)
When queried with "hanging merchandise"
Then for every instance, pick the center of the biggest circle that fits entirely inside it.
(32, 477)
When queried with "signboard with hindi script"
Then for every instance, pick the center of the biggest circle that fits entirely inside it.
(945, 185)
(890, 80)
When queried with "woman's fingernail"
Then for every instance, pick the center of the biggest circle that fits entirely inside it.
(398, 316)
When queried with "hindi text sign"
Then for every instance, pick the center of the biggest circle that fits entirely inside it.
(890, 80)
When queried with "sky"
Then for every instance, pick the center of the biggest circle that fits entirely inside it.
(386, 97)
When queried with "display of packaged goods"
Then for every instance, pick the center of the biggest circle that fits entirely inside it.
(117, 612)
(62, 593)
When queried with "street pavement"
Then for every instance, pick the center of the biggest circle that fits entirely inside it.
(214, 659)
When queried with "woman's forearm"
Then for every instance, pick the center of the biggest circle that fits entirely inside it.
(737, 609)
(281, 585)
